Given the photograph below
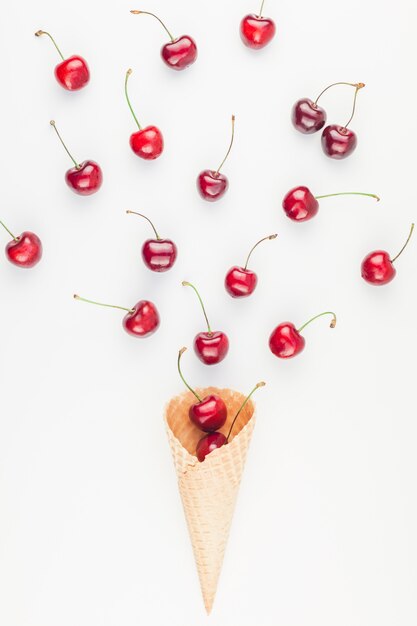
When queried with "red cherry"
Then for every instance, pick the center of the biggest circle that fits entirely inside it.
(212, 346)
(25, 250)
(72, 73)
(257, 31)
(142, 320)
(180, 52)
(157, 254)
(147, 142)
(300, 205)
(378, 268)
(286, 341)
(241, 282)
(211, 184)
(338, 142)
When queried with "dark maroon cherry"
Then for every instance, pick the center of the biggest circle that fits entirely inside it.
(157, 254)
(147, 143)
(241, 282)
(212, 185)
(378, 267)
(300, 205)
(286, 340)
(25, 250)
(338, 142)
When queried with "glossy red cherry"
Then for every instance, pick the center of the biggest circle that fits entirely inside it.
(211, 184)
(338, 142)
(212, 346)
(378, 268)
(158, 254)
(300, 205)
(241, 282)
(257, 31)
(72, 73)
(84, 178)
(24, 250)
(180, 52)
(142, 320)
(286, 341)
(147, 143)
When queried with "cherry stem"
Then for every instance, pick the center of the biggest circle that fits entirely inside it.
(260, 10)
(405, 245)
(111, 306)
(274, 236)
(357, 85)
(77, 165)
(135, 12)
(180, 353)
(146, 218)
(332, 323)
(261, 384)
(128, 73)
(187, 284)
(349, 193)
(39, 33)
(230, 147)
(10, 233)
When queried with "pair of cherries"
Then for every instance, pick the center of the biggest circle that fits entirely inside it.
(209, 414)
(337, 142)
(24, 250)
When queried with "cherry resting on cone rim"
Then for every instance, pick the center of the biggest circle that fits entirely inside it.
(180, 52)
(212, 441)
(147, 143)
(212, 346)
(211, 184)
(286, 341)
(378, 268)
(72, 73)
(158, 254)
(141, 320)
(256, 31)
(84, 178)
(338, 142)
(208, 413)
(25, 250)
(241, 282)
(300, 205)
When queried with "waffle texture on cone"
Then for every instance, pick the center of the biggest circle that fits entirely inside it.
(209, 489)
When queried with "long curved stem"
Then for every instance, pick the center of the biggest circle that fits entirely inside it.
(261, 9)
(349, 193)
(274, 236)
(357, 85)
(187, 284)
(405, 245)
(332, 323)
(128, 73)
(180, 353)
(261, 384)
(39, 33)
(135, 12)
(230, 146)
(9, 231)
(110, 306)
(146, 218)
(77, 165)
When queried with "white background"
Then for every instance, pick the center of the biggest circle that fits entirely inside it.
(91, 525)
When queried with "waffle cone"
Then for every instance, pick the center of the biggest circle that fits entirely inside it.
(209, 489)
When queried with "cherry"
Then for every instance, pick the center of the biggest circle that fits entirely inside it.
(85, 178)
(300, 205)
(338, 142)
(25, 250)
(158, 254)
(213, 441)
(211, 184)
(141, 320)
(286, 341)
(73, 73)
(210, 412)
(147, 142)
(241, 282)
(257, 31)
(378, 268)
(210, 347)
(180, 52)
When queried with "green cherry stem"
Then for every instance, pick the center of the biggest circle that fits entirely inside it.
(357, 85)
(261, 9)
(128, 73)
(110, 306)
(10, 233)
(146, 218)
(77, 165)
(261, 384)
(332, 323)
(405, 245)
(39, 33)
(274, 236)
(349, 193)
(135, 12)
(187, 284)
(230, 147)
(180, 353)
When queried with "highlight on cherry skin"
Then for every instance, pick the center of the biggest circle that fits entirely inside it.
(211, 346)
(84, 178)
(241, 282)
(215, 440)
(286, 341)
(158, 254)
(180, 52)
(378, 267)
(300, 204)
(147, 143)
(71, 73)
(24, 250)
(338, 142)
(141, 320)
(211, 184)
(256, 31)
